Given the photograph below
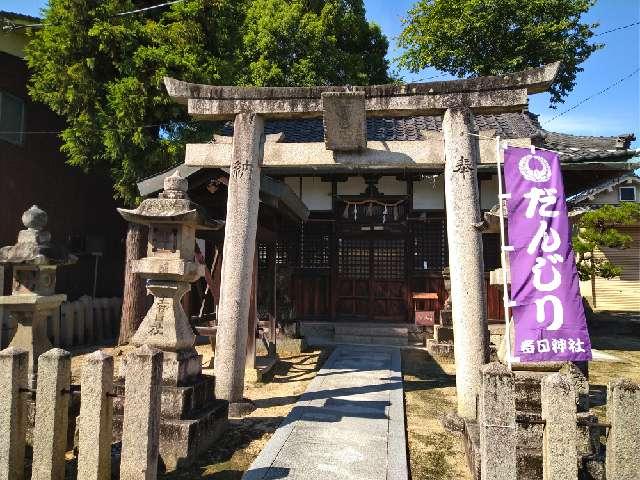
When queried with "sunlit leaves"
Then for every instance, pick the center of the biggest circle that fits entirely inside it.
(493, 37)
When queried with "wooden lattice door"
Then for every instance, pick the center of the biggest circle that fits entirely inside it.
(371, 279)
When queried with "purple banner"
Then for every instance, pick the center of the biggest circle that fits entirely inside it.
(549, 317)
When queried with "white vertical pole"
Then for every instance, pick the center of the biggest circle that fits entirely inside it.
(503, 255)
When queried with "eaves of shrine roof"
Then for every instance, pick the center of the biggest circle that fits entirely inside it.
(513, 125)
(607, 185)
(272, 192)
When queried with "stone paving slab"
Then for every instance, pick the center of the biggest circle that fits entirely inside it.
(349, 424)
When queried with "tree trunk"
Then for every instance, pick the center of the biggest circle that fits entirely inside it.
(133, 297)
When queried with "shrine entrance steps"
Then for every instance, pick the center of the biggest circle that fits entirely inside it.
(349, 424)
(361, 333)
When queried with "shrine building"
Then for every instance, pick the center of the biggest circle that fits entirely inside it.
(352, 223)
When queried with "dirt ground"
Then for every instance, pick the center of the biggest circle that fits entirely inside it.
(434, 453)
(612, 335)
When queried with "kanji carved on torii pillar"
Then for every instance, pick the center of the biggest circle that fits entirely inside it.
(344, 111)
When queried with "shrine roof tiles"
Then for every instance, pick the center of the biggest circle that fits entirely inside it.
(572, 148)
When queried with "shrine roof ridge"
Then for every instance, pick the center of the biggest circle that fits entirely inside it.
(535, 80)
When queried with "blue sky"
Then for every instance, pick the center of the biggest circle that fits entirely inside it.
(617, 111)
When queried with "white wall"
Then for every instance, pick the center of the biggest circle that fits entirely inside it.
(353, 186)
(392, 186)
(427, 196)
(315, 194)
(489, 193)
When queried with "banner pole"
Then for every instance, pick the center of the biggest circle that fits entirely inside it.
(503, 255)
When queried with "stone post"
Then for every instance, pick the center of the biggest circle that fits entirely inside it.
(465, 257)
(559, 452)
(52, 415)
(14, 364)
(141, 425)
(237, 258)
(623, 411)
(96, 418)
(498, 435)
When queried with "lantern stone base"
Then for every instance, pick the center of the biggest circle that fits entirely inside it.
(191, 419)
(31, 312)
(180, 368)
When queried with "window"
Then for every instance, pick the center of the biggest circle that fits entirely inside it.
(430, 250)
(11, 118)
(491, 251)
(627, 194)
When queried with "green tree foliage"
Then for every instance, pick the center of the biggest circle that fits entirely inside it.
(493, 37)
(596, 229)
(103, 72)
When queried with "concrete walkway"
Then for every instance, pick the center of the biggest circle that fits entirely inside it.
(349, 424)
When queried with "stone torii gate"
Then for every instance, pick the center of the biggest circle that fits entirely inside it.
(344, 111)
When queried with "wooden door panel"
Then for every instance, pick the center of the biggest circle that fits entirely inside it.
(371, 279)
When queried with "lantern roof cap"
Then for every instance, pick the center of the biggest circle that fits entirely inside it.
(34, 246)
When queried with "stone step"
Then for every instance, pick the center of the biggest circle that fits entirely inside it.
(181, 441)
(373, 340)
(371, 331)
(177, 402)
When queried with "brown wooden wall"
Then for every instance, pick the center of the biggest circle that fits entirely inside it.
(82, 211)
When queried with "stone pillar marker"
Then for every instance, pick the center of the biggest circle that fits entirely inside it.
(34, 259)
(465, 257)
(623, 411)
(498, 434)
(52, 415)
(141, 427)
(560, 457)
(14, 364)
(96, 418)
(237, 259)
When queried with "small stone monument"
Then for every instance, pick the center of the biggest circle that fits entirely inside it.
(441, 345)
(34, 259)
(189, 411)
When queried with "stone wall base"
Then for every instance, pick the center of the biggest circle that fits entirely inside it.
(440, 350)
(191, 420)
(471, 440)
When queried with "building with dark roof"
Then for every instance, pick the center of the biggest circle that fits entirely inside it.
(80, 206)
(621, 292)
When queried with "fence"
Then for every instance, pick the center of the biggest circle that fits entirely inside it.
(83, 323)
(563, 430)
(141, 424)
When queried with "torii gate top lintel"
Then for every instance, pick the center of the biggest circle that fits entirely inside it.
(492, 93)
(344, 110)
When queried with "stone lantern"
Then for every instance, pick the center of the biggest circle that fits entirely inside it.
(34, 260)
(191, 418)
(169, 268)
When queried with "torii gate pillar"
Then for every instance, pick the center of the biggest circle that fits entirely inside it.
(237, 260)
(465, 257)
